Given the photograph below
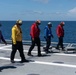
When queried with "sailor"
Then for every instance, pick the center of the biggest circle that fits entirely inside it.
(60, 34)
(34, 33)
(17, 41)
(47, 35)
(1, 37)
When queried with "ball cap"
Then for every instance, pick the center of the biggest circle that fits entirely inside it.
(19, 21)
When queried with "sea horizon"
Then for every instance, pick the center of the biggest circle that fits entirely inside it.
(69, 37)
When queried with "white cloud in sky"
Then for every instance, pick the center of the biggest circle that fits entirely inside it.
(72, 11)
(44, 1)
(38, 12)
(33, 12)
(71, 14)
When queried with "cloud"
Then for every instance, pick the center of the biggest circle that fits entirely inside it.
(43, 1)
(72, 11)
(38, 12)
(71, 14)
(33, 12)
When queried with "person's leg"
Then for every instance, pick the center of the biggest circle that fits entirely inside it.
(48, 42)
(38, 46)
(31, 48)
(59, 41)
(14, 49)
(20, 49)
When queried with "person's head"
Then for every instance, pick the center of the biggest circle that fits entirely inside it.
(38, 22)
(62, 23)
(19, 22)
(49, 24)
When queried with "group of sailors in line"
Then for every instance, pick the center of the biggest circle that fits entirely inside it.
(17, 44)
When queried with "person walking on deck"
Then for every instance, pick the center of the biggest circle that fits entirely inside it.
(1, 37)
(17, 41)
(60, 34)
(34, 33)
(47, 35)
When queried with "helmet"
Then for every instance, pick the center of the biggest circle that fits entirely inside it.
(19, 22)
(38, 21)
(62, 23)
(49, 23)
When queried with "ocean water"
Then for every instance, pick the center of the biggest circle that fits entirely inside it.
(70, 30)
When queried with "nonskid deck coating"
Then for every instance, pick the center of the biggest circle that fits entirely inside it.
(50, 64)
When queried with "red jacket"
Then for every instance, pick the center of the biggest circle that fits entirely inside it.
(35, 31)
(60, 31)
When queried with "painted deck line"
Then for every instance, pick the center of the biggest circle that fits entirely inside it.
(74, 55)
(45, 63)
(2, 47)
(63, 54)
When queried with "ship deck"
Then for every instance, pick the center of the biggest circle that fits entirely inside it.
(54, 63)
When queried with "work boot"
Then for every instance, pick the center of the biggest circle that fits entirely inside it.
(57, 48)
(22, 61)
(39, 55)
(29, 54)
(12, 61)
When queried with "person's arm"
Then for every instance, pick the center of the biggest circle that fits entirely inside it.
(58, 31)
(45, 33)
(14, 36)
(33, 32)
(51, 34)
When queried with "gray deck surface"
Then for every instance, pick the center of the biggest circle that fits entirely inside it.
(55, 63)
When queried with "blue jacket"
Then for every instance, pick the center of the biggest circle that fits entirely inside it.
(47, 32)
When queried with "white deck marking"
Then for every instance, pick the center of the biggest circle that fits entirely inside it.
(55, 64)
(3, 47)
(24, 50)
(74, 55)
(45, 63)
(65, 54)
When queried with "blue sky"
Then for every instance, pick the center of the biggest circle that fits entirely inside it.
(38, 9)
